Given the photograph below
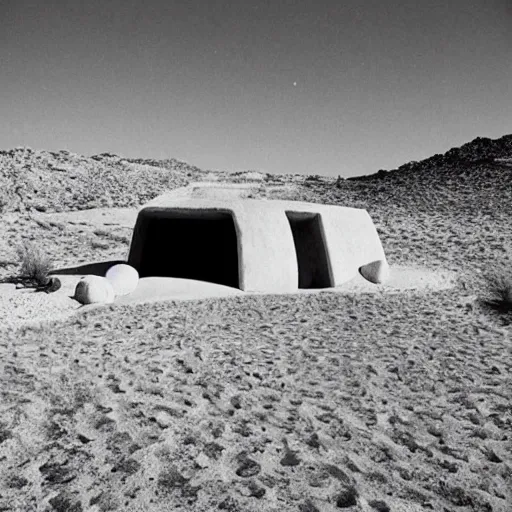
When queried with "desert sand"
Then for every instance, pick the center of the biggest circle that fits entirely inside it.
(259, 403)
(394, 398)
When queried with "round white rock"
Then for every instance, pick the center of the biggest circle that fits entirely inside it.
(123, 278)
(94, 290)
(376, 272)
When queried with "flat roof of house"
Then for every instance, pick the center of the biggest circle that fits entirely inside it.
(171, 201)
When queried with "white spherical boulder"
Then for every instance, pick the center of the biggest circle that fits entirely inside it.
(123, 278)
(376, 272)
(94, 290)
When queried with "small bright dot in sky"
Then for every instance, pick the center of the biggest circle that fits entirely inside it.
(294, 84)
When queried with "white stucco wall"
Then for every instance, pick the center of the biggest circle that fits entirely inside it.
(352, 241)
(267, 258)
(266, 250)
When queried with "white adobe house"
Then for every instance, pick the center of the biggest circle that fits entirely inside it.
(269, 246)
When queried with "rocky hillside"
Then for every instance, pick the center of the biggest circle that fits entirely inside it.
(64, 181)
(44, 181)
(481, 150)
(475, 178)
(451, 211)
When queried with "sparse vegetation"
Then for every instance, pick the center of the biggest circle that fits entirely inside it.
(499, 292)
(3, 201)
(35, 265)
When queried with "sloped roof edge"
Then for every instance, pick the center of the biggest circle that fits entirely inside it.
(169, 201)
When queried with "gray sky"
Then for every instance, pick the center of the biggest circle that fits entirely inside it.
(310, 86)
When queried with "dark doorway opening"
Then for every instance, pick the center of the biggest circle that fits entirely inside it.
(310, 247)
(198, 245)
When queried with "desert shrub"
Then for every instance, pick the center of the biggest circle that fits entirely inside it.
(4, 201)
(498, 295)
(35, 264)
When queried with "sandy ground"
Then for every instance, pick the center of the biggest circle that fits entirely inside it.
(27, 307)
(315, 402)
(393, 398)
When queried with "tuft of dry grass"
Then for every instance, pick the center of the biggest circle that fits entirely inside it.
(35, 264)
(499, 292)
(3, 201)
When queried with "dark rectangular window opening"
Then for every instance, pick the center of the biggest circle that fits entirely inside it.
(199, 245)
(312, 258)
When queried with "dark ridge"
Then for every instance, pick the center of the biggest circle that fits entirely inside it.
(481, 150)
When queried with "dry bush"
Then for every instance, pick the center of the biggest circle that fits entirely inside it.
(499, 292)
(3, 203)
(35, 264)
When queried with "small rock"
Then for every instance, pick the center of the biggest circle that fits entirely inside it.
(123, 278)
(94, 290)
(376, 272)
(53, 285)
(49, 285)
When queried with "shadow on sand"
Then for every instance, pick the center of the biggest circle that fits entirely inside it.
(98, 268)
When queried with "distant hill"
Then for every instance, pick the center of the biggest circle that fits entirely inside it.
(475, 178)
(49, 181)
(59, 181)
(481, 150)
(451, 211)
